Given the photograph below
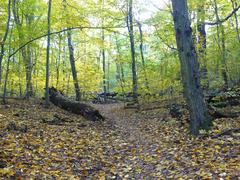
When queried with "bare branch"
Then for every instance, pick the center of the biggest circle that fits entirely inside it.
(57, 32)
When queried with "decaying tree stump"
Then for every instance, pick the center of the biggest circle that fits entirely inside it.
(58, 99)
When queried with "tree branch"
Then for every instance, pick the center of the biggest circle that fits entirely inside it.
(57, 32)
(223, 20)
(163, 41)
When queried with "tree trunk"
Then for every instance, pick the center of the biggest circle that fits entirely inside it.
(131, 36)
(104, 68)
(19, 77)
(5, 38)
(73, 66)
(142, 55)
(26, 56)
(75, 107)
(58, 60)
(234, 5)
(202, 42)
(47, 103)
(119, 66)
(221, 46)
(199, 118)
(108, 74)
(7, 71)
(104, 57)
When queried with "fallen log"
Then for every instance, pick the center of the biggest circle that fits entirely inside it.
(224, 98)
(227, 132)
(87, 111)
(218, 114)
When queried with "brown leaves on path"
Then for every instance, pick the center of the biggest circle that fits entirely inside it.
(128, 145)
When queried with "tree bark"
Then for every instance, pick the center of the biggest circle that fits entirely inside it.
(104, 68)
(119, 66)
(199, 118)
(5, 38)
(221, 46)
(234, 5)
(58, 60)
(73, 66)
(58, 99)
(7, 70)
(104, 58)
(72, 59)
(25, 53)
(142, 55)
(47, 103)
(202, 42)
(132, 44)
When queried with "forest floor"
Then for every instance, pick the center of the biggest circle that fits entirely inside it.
(40, 143)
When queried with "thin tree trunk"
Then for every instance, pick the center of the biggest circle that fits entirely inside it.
(47, 101)
(131, 36)
(58, 60)
(108, 75)
(7, 71)
(5, 82)
(104, 58)
(142, 55)
(5, 38)
(25, 54)
(119, 67)
(19, 76)
(34, 69)
(202, 42)
(104, 68)
(72, 61)
(199, 118)
(68, 84)
(234, 4)
(73, 66)
(221, 45)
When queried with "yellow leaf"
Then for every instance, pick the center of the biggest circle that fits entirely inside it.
(101, 175)
(7, 171)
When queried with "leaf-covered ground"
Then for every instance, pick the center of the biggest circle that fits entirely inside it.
(128, 145)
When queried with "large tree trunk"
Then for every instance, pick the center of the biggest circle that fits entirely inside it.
(75, 107)
(199, 118)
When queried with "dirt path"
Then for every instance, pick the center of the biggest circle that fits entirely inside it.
(129, 123)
